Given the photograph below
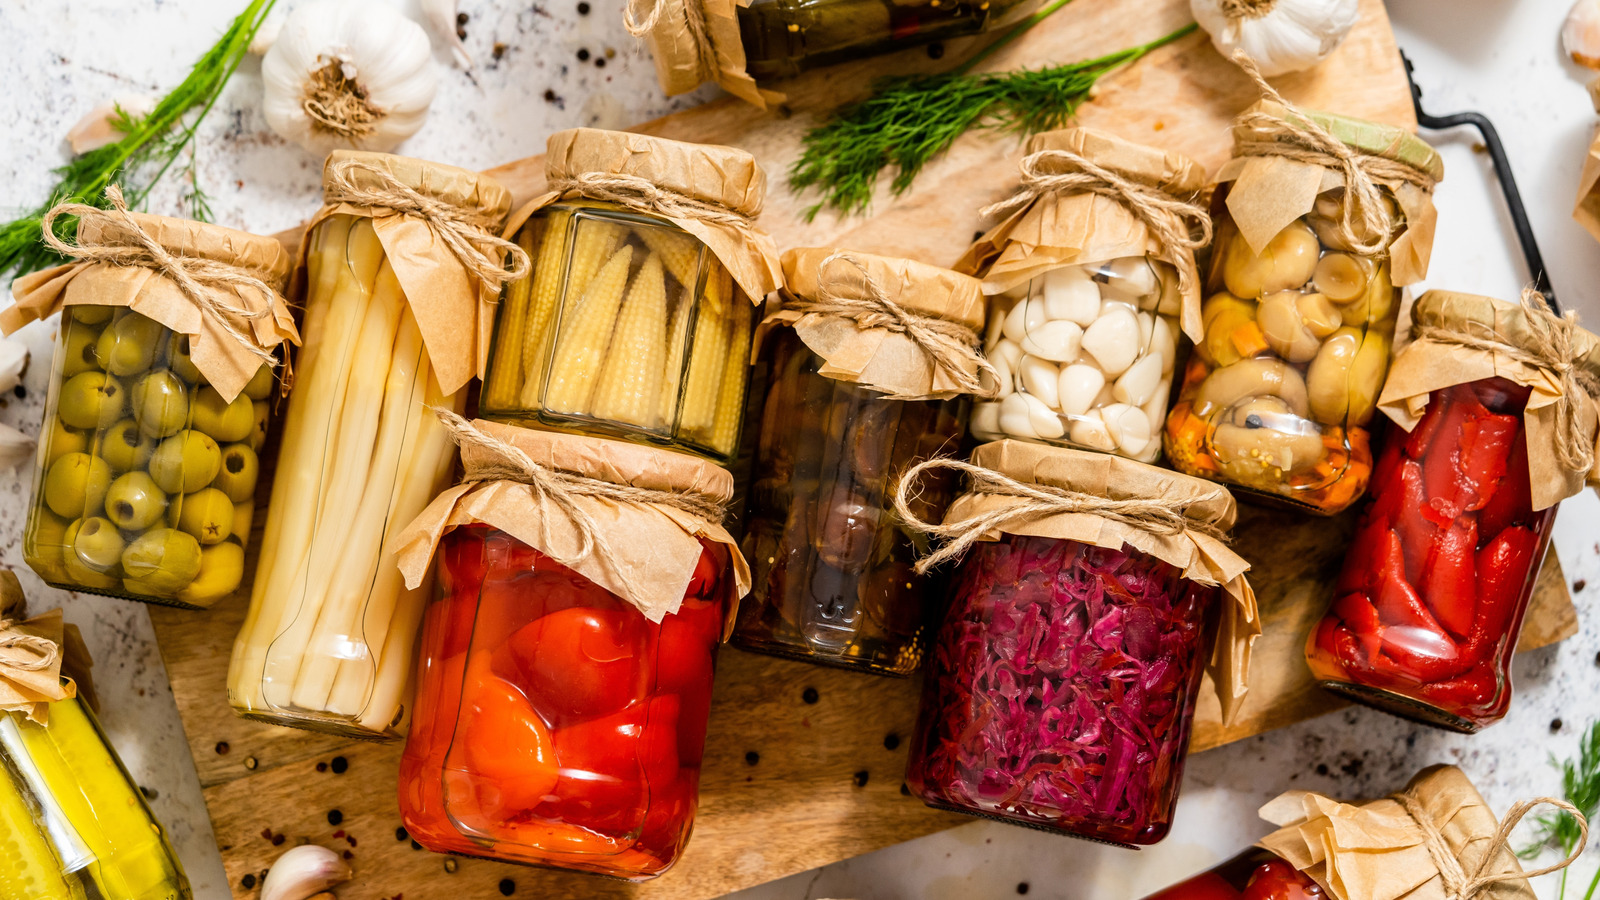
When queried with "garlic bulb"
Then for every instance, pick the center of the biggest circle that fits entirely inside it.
(1282, 36)
(1580, 35)
(348, 73)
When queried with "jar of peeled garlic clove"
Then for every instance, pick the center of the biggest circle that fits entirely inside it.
(1302, 299)
(1093, 277)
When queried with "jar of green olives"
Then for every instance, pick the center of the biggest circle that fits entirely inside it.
(145, 484)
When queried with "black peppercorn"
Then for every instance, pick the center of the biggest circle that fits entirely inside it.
(860, 778)
(507, 886)
(248, 882)
(752, 757)
(809, 695)
(400, 833)
(583, 54)
(935, 50)
(891, 741)
(335, 817)
(340, 765)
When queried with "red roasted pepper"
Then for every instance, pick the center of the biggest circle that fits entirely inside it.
(1503, 566)
(1512, 503)
(1448, 577)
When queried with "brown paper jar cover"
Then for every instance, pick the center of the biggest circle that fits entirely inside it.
(679, 65)
(656, 546)
(454, 311)
(1426, 365)
(876, 357)
(1377, 851)
(1202, 558)
(226, 364)
(23, 688)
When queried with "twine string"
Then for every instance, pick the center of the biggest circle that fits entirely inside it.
(1035, 501)
(1461, 885)
(694, 19)
(44, 650)
(206, 283)
(644, 195)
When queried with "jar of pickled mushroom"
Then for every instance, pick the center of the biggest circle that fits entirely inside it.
(563, 692)
(1496, 425)
(145, 485)
(871, 360)
(1063, 680)
(635, 321)
(1428, 836)
(392, 309)
(1278, 397)
(1093, 277)
(738, 45)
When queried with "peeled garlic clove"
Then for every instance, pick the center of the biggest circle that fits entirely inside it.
(1128, 427)
(1089, 430)
(1171, 301)
(1005, 357)
(1288, 261)
(1113, 341)
(1147, 328)
(1342, 277)
(1164, 344)
(985, 421)
(1038, 377)
(1058, 341)
(1077, 388)
(993, 328)
(1015, 327)
(1156, 407)
(1580, 35)
(304, 871)
(1135, 386)
(1015, 417)
(1070, 294)
(1131, 278)
(1045, 421)
(97, 128)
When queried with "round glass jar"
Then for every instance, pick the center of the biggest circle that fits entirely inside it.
(1252, 875)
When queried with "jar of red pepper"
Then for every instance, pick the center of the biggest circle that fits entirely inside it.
(1492, 436)
(562, 694)
(1064, 677)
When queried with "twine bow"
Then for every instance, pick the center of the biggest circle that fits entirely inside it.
(206, 283)
(44, 650)
(1458, 883)
(645, 195)
(469, 236)
(1160, 517)
(1296, 137)
(1179, 226)
(694, 18)
(507, 462)
(949, 345)
(1247, 9)
(1552, 346)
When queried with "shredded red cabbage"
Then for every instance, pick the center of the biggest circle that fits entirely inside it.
(1063, 689)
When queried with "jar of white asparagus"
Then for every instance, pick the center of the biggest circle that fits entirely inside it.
(398, 263)
(635, 322)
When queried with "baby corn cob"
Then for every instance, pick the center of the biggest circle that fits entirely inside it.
(549, 273)
(631, 379)
(704, 380)
(501, 388)
(677, 336)
(730, 401)
(680, 252)
(595, 242)
(585, 332)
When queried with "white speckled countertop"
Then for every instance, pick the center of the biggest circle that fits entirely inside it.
(1498, 56)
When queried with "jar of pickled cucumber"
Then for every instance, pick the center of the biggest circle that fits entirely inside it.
(851, 404)
(1301, 306)
(391, 315)
(636, 320)
(1093, 278)
(160, 395)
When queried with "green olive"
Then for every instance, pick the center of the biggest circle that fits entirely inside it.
(240, 468)
(77, 348)
(221, 570)
(124, 447)
(185, 462)
(129, 345)
(92, 314)
(260, 384)
(91, 400)
(160, 403)
(75, 485)
(62, 440)
(243, 513)
(43, 542)
(258, 428)
(207, 514)
(162, 560)
(78, 573)
(178, 359)
(134, 501)
(227, 422)
(97, 544)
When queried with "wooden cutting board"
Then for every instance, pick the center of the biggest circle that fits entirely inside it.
(804, 764)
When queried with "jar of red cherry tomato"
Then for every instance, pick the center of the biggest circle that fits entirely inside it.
(1064, 678)
(1430, 601)
(562, 697)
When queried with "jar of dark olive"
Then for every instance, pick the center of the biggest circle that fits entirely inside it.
(852, 403)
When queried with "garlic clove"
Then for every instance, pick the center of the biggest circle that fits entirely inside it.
(985, 422)
(1580, 35)
(1089, 430)
(1077, 388)
(1039, 377)
(1070, 294)
(13, 359)
(303, 872)
(1015, 417)
(16, 448)
(97, 128)
(441, 17)
(267, 33)
(1057, 341)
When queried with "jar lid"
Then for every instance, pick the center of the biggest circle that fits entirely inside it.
(1153, 166)
(617, 462)
(916, 286)
(710, 173)
(1507, 321)
(472, 192)
(1386, 141)
(264, 257)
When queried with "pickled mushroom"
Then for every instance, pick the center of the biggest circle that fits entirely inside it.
(1287, 261)
(1227, 386)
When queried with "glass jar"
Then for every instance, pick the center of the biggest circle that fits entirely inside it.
(555, 724)
(831, 564)
(1298, 324)
(1252, 875)
(1430, 601)
(1084, 356)
(1062, 688)
(327, 643)
(72, 822)
(627, 327)
(146, 476)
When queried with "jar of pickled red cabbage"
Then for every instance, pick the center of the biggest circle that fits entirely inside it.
(1093, 278)
(561, 716)
(147, 470)
(851, 404)
(1278, 397)
(1429, 604)
(1063, 680)
(635, 321)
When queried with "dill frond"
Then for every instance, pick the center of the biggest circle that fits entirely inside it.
(1580, 786)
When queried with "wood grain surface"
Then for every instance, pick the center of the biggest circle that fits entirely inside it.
(804, 764)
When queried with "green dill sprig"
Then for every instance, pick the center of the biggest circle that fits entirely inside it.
(910, 119)
(1580, 786)
(154, 141)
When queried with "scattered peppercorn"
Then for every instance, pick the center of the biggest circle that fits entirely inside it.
(1322, 768)
(1555, 725)
(752, 757)
(935, 50)
(250, 762)
(1578, 585)
(248, 882)
(600, 62)
(277, 840)
(507, 886)
(322, 767)
(1022, 887)
(583, 54)
(222, 748)
(340, 765)
(583, 9)
(905, 789)
(348, 855)
(809, 695)
(860, 778)
(891, 741)
(451, 865)
(339, 833)
(462, 18)
(335, 817)
(149, 793)
(21, 392)
(400, 833)
(415, 845)
(498, 51)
